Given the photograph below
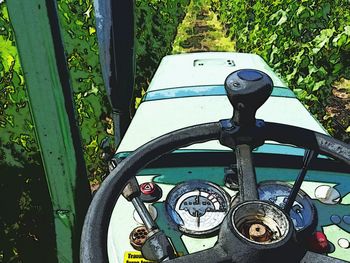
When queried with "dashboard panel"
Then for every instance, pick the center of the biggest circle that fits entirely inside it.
(192, 202)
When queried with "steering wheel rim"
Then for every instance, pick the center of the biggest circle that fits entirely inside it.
(94, 235)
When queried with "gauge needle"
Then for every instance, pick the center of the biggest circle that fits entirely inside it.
(198, 218)
(197, 197)
(298, 212)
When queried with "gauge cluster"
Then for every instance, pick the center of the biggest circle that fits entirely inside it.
(198, 207)
(190, 211)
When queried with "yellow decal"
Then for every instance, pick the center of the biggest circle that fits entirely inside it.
(135, 257)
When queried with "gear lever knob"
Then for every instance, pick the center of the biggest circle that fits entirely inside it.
(247, 90)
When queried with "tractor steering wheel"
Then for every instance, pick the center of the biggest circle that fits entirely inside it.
(247, 90)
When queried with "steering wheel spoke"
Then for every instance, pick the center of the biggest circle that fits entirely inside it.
(215, 254)
(312, 257)
(246, 173)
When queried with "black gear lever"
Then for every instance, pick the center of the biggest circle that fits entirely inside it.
(247, 90)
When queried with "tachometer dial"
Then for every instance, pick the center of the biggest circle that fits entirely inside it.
(198, 207)
(303, 212)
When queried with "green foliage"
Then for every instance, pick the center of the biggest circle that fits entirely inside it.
(93, 110)
(306, 42)
(26, 229)
(15, 122)
(26, 226)
(23, 193)
(156, 26)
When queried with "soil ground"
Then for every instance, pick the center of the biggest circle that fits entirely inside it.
(201, 31)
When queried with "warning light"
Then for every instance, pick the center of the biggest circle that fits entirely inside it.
(150, 192)
(147, 188)
(318, 242)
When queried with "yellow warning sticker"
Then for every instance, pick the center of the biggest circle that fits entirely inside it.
(135, 257)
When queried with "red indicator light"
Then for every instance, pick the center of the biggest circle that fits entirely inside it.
(147, 188)
(150, 192)
(318, 242)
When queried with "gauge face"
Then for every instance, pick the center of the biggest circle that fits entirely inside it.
(303, 212)
(197, 207)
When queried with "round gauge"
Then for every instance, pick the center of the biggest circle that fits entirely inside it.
(197, 207)
(303, 212)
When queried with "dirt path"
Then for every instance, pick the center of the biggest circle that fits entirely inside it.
(201, 31)
(338, 109)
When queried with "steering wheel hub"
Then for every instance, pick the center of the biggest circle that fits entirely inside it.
(261, 223)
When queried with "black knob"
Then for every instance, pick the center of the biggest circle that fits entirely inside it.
(247, 90)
